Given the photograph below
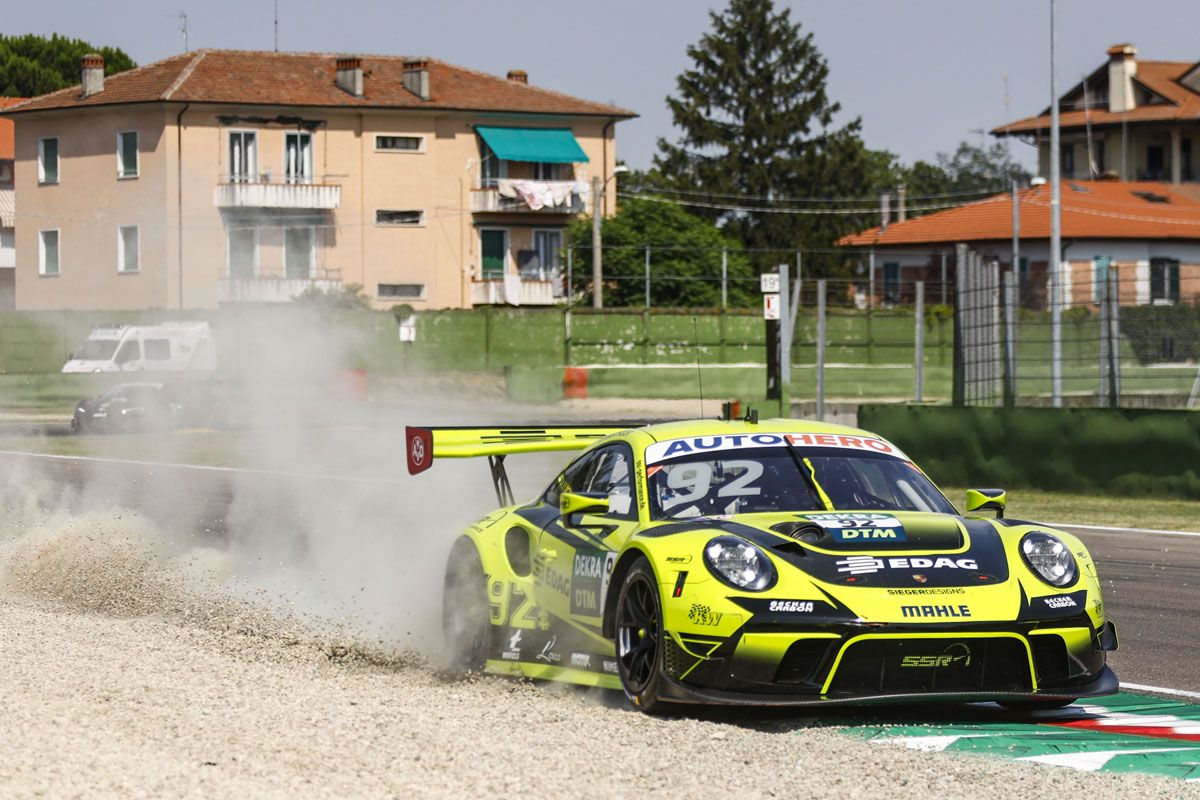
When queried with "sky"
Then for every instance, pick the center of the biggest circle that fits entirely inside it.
(923, 75)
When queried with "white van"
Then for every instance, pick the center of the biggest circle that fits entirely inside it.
(167, 347)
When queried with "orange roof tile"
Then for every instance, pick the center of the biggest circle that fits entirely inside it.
(1160, 77)
(7, 131)
(307, 79)
(1090, 210)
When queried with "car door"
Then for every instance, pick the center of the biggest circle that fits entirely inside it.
(575, 556)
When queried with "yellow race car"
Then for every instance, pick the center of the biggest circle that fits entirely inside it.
(777, 563)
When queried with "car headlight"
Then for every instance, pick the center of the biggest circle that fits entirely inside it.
(739, 564)
(1049, 558)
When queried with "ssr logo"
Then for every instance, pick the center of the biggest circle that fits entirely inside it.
(956, 655)
(935, 611)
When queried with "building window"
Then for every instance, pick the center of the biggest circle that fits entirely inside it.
(1099, 167)
(403, 218)
(547, 245)
(48, 253)
(491, 168)
(127, 154)
(400, 144)
(127, 248)
(1155, 163)
(1067, 160)
(243, 156)
(297, 157)
(1185, 159)
(298, 253)
(1100, 266)
(401, 291)
(547, 172)
(891, 282)
(48, 160)
(243, 253)
(493, 247)
(1164, 280)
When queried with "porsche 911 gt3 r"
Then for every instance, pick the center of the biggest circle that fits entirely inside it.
(781, 563)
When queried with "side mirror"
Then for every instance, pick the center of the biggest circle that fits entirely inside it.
(570, 504)
(987, 500)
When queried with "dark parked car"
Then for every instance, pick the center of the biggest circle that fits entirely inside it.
(149, 406)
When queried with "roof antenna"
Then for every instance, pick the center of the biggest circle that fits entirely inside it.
(276, 26)
(699, 375)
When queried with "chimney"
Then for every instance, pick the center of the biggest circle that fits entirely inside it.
(416, 77)
(350, 75)
(901, 196)
(92, 74)
(518, 76)
(885, 211)
(1122, 68)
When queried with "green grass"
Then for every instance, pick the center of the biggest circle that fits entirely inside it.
(1088, 509)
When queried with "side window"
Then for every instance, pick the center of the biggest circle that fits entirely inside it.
(573, 479)
(130, 351)
(612, 477)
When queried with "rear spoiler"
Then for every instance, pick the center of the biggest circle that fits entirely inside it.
(424, 444)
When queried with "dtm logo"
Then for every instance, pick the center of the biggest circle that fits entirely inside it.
(935, 611)
(866, 565)
(956, 655)
(860, 527)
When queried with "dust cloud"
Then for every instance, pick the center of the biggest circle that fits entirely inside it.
(323, 528)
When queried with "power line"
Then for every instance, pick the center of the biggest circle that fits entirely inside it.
(828, 200)
(766, 210)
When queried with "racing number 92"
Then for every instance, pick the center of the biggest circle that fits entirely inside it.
(504, 597)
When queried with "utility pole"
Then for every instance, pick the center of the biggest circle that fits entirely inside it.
(1055, 222)
(597, 258)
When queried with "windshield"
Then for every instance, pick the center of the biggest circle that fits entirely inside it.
(770, 479)
(97, 350)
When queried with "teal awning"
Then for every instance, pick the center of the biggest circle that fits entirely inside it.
(547, 145)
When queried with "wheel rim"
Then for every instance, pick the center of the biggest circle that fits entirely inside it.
(638, 634)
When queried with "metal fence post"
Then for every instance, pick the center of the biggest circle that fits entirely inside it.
(724, 277)
(647, 276)
(871, 308)
(785, 345)
(820, 350)
(567, 315)
(958, 393)
(1114, 336)
(996, 349)
(1010, 339)
(919, 345)
(1102, 398)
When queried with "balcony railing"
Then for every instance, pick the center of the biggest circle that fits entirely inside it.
(272, 289)
(525, 196)
(514, 292)
(261, 192)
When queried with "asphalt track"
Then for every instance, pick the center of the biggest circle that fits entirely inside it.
(1151, 579)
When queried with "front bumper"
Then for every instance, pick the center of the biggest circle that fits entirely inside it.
(854, 663)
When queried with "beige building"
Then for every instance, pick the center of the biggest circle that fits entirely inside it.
(234, 176)
(1129, 119)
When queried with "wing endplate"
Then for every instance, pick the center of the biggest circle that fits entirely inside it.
(424, 444)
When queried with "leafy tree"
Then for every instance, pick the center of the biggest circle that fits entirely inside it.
(969, 169)
(682, 246)
(31, 65)
(756, 122)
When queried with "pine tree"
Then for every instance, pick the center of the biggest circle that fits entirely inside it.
(757, 122)
(31, 65)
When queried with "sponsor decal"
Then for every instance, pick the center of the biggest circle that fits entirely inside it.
(678, 559)
(513, 651)
(945, 590)
(556, 581)
(548, 655)
(660, 451)
(866, 565)
(935, 611)
(581, 660)
(791, 606)
(609, 665)
(956, 655)
(1060, 601)
(859, 527)
(590, 572)
(703, 615)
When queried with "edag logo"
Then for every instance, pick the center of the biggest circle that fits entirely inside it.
(866, 565)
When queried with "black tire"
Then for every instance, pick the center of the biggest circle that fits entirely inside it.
(639, 641)
(1036, 705)
(466, 617)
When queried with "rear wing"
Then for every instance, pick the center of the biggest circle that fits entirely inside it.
(424, 444)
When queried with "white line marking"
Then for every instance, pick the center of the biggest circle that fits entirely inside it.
(1137, 687)
(1119, 530)
(205, 467)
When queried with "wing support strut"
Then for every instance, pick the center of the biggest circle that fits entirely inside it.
(504, 492)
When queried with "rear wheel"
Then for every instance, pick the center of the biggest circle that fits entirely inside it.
(466, 623)
(640, 638)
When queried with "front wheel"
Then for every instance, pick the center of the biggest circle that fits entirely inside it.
(466, 623)
(640, 638)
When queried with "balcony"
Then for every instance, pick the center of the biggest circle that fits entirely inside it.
(515, 292)
(270, 289)
(264, 193)
(510, 196)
